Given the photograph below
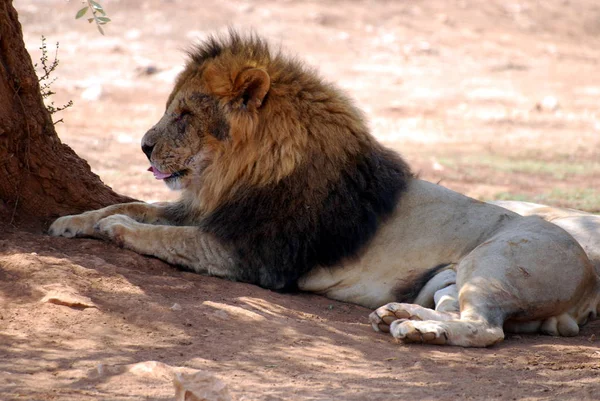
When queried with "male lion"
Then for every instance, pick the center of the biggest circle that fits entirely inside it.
(284, 187)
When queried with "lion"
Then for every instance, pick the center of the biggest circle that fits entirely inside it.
(283, 186)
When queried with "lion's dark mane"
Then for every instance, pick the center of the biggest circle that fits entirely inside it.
(281, 232)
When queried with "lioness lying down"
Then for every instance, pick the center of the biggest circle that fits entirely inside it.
(284, 187)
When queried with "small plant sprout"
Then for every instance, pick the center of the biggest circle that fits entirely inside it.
(98, 14)
(45, 81)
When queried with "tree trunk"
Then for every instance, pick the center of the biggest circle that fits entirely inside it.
(40, 178)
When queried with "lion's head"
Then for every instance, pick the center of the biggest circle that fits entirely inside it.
(239, 114)
(262, 146)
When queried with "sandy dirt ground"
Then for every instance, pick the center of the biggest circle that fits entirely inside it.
(496, 99)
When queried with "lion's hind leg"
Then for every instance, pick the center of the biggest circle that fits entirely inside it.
(382, 318)
(415, 324)
(446, 299)
(461, 332)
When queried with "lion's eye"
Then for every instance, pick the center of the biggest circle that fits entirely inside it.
(181, 121)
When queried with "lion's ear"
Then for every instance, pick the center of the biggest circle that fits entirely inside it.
(251, 87)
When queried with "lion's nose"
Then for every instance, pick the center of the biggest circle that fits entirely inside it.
(147, 149)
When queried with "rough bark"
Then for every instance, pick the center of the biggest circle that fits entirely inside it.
(40, 178)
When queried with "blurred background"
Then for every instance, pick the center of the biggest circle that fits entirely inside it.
(497, 99)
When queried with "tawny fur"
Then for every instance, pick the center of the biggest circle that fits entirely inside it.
(284, 187)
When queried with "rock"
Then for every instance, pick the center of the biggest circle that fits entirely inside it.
(548, 103)
(147, 70)
(63, 295)
(436, 166)
(199, 386)
(190, 384)
(93, 92)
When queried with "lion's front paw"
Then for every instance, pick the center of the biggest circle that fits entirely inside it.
(115, 228)
(79, 225)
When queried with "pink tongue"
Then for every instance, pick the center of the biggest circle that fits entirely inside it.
(159, 175)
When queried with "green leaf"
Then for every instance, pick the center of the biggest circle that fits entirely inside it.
(104, 19)
(95, 5)
(100, 29)
(101, 11)
(81, 12)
